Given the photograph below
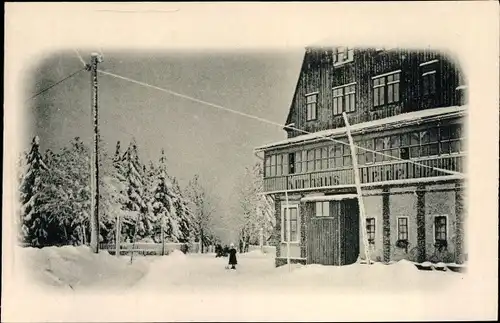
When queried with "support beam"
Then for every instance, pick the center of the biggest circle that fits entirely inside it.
(358, 190)
(386, 224)
(459, 213)
(421, 224)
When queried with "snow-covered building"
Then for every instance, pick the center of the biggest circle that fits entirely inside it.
(406, 111)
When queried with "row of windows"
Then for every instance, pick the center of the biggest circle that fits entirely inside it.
(440, 228)
(385, 90)
(433, 141)
(440, 231)
(323, 210)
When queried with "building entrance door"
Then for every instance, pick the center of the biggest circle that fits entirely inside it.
(333, 234)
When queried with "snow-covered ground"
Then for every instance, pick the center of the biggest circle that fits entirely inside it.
(199, 287)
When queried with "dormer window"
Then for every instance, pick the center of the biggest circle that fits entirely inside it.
(428, 77)
(311, 106)
(342, 55)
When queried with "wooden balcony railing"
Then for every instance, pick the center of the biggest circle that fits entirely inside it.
(373, 173)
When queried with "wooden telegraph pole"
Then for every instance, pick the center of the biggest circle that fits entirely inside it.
(94, 163)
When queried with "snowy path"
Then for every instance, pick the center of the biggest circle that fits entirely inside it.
(256, 271)
(169, 287)
(200, 271)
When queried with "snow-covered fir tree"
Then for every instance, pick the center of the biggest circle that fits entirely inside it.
(202, 209)
(134, 220)
(184, 213)
(163, 204)
(33, 223)
(112, 191)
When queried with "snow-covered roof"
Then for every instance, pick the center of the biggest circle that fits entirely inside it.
(337, 197)
(397, 120)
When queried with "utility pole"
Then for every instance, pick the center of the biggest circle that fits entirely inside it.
(163, 235)
(94, 163)
(117, 236)
(288, 235)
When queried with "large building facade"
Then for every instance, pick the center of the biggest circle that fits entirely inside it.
(406, 110)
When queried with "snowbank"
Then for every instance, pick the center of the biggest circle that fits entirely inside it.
(176, 255)
(77, 267)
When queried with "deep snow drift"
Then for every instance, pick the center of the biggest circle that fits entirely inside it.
(78, 268)
(199, 287)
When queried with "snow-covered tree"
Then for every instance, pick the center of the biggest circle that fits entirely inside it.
(163, 205)
(33, 223)
(112, 191)
(134, 221)
(202, 207)
(184, 213)
(257, 209)
(70, 202)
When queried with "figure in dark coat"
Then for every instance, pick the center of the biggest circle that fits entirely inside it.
(232, 257)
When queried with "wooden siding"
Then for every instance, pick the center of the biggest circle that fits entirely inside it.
(333, 240)
(372, 173)
(319, 74)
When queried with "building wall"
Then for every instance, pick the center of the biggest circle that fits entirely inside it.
(373, 209)
(404, 201)
(318, 74)
(403, 205)
(440, 203)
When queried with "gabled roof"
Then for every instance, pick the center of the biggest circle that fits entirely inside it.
(397, 121)
(295, 92)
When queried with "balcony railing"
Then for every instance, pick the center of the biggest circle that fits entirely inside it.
(373, 173)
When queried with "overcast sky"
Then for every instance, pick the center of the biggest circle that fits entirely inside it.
(197, 139)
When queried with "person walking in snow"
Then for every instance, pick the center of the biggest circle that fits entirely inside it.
(232, 256)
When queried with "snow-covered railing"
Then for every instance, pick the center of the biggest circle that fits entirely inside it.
(148, 248)
(400, 170)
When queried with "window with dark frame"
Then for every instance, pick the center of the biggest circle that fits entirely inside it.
(343, 55)
(279, 165)
(387, 146)
(420, 143)
(293, 224)
(298, 162)
(344, 99)
(428, 72)
(273, 165)
(370, 230)
(365, 156)
(310, 160)
(347, 155)
(267, 169)
(335, 156)
(429, 83)
(451, 138)
(403, 228)
(291, 163)
(386, 89)
(311, 106)
(440, 233)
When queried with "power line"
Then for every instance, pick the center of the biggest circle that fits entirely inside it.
(268, 121)
(59, 82)
(80, 57)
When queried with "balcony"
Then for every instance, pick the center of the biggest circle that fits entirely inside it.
(372, 174)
